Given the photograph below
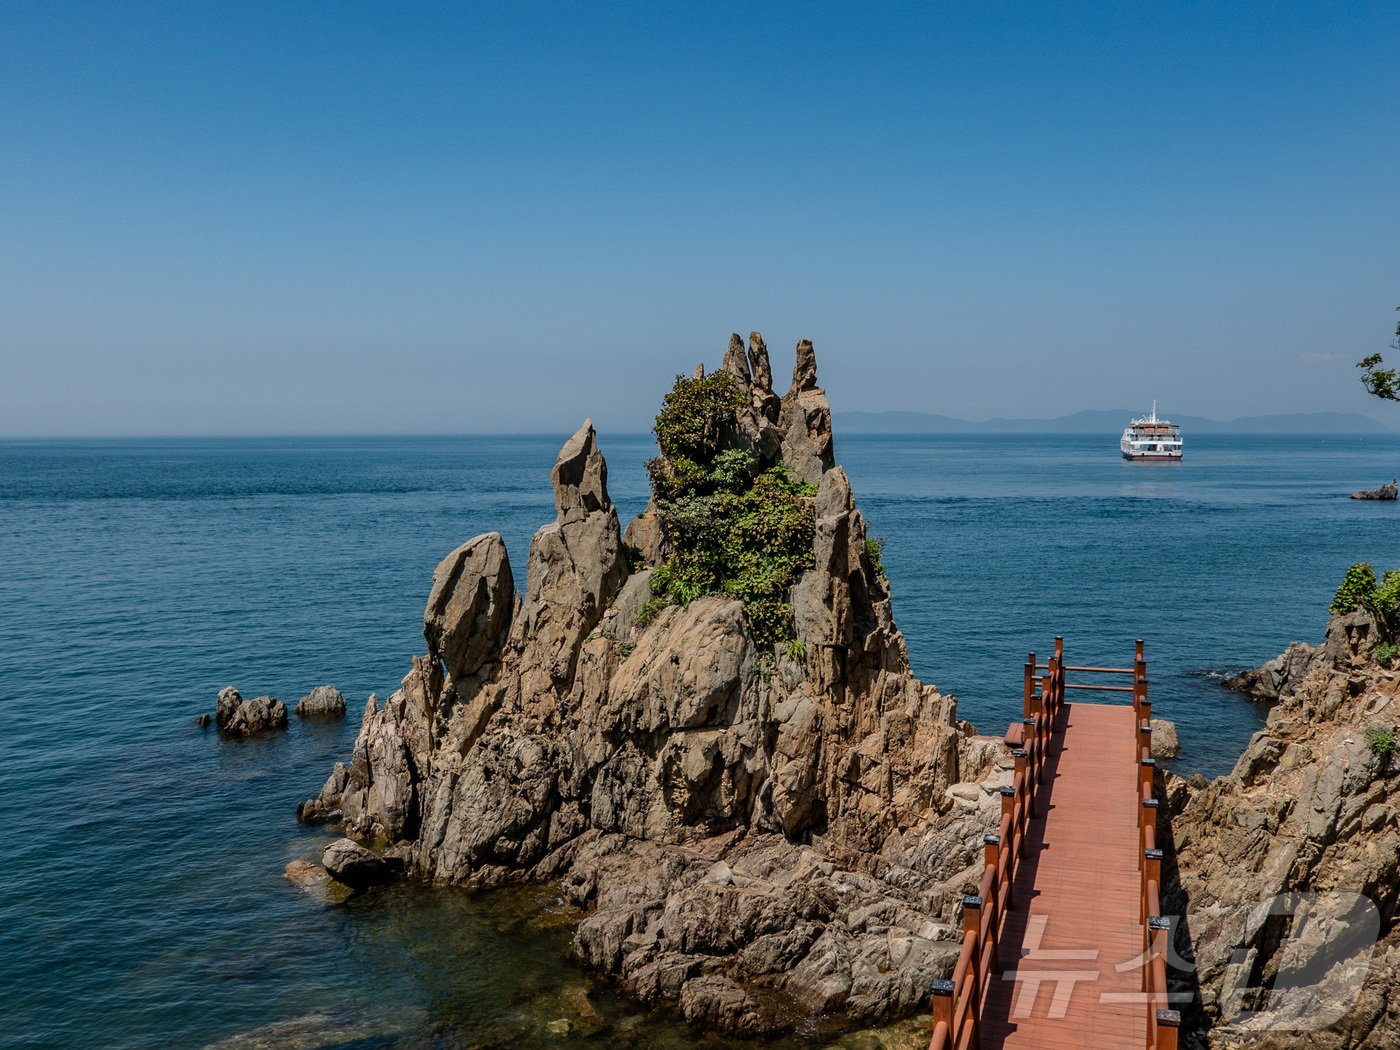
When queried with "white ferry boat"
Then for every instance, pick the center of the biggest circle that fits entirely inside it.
(1151, 438)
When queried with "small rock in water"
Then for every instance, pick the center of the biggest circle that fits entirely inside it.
(203, 721)
(1385, 492)
(349, 862)
(238, 717)
(325, 701)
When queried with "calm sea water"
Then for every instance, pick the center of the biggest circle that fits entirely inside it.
(143, 901)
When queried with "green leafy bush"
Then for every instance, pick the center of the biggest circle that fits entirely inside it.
(797, 651)
(689, 429)
(1381, 742)
(735, 529)
(1357, 589)
(1385, 653)
(649, 609)
(874, 549)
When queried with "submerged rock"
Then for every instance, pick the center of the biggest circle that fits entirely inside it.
(238, 717)
(324, 701)
(304, 873)
(763, 835)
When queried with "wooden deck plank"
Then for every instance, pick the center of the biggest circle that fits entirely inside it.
(1077, 895)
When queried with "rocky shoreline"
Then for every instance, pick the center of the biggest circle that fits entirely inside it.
(765, 836)
(774, 835)
(1306, 826)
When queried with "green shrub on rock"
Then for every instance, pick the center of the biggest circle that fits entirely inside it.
(1357, 589)
(735, 529)
(1381, 742)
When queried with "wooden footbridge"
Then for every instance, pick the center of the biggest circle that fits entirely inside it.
(1064, 944)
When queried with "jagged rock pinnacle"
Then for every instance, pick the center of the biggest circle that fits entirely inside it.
(734, 360)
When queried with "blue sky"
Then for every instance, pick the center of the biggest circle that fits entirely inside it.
(355, 218)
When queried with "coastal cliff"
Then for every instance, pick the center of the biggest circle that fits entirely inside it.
(1305, 827)
(721, 754)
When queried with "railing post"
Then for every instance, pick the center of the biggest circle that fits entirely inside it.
(941, 992)
(1168, 1021)
(1152, 872)
(1022, 771)
(972, 922)
(1027, 708)
(991, 847)
(1012, 845)
(1149, 820)
(1147, 769)
(1144, 739)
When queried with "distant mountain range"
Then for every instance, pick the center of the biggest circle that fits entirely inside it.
(1105, 422)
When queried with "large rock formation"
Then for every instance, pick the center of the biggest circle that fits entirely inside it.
(763, 835)
(1310, 808)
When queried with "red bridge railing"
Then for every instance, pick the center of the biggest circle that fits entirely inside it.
(957, 1001)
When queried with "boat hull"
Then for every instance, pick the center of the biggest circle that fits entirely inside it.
(1161, 457)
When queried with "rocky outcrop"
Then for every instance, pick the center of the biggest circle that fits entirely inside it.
(325, 701)
(347, 861)
(764, 835)
(1165, 744)
(1309, 809)
(238, 717)
(1385, 492)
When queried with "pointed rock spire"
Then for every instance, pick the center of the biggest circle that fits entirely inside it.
(734, 360)
(580, 477)
(758, 362)
(804, 374)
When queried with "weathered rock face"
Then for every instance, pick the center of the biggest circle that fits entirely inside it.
(238, 717)
(325, 701)
(1309, 808)
(763, 836)
(1165, 743)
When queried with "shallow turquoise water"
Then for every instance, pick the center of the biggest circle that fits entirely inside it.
(144, 901)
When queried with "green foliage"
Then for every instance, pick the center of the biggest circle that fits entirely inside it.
(1383, 382)
(689, 429)
(1385, 653)
(797, 651)
(1386, 599)
(625, 649)
(735, 529)
(1381, 742)
(647, 613)
(1357, 589)
(874, 548)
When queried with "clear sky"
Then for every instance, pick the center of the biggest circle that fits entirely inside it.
(335, 217)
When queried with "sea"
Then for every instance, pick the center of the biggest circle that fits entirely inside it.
(143, 901)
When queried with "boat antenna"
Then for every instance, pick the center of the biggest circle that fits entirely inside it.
(1154, 410)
